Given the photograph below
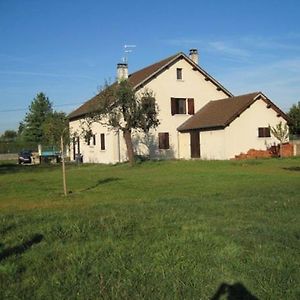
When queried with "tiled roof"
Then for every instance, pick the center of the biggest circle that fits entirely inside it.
(220, 113)
(143, 76)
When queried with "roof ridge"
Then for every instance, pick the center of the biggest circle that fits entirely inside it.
(156, 63)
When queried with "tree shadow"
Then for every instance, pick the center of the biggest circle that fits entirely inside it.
(146, 145)
(37, 238)
(100, 182)
(10, 168)
(6, 228)
(295, 169)
(236, 291)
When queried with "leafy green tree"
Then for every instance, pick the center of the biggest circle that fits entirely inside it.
(281, 133)
(120, 107)
(39, 110)
(9, 136)
(55, 125)
(294, 114)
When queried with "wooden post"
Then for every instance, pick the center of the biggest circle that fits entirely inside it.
(63, 164)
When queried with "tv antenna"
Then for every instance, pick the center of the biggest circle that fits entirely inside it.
(127, 49)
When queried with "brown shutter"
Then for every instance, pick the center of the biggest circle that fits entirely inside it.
(173, 106)
(163, 140)
(167, 145)
(191, 108)
(102, 141)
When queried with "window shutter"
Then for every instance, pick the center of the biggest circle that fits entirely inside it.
(267, 132)
(160, 140)
(163, 140)
(173, 106)
(191, 108)
(102, 141)
(167, 146)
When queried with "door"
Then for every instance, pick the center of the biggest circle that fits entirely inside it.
(195, 143)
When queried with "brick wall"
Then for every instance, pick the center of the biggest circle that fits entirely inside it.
(274, 151)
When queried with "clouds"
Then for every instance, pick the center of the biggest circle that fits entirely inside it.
(253, 62)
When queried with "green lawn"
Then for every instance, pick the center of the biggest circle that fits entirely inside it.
(159, 230)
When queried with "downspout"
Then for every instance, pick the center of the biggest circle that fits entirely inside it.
(178, 145)
(119, 146)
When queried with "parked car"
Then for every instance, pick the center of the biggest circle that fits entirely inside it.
(25, 157)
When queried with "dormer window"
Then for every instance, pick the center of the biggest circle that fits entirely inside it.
(179, 73)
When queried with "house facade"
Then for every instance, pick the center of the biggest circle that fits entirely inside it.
(199, 118)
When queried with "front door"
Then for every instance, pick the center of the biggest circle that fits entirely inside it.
(195, 143)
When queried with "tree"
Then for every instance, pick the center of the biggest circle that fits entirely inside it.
(281, 133)
(294, 114)
(120, 107)
(9, 136)
(54, 125)
(39, 110)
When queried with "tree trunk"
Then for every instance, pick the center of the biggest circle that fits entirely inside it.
(129, 146)
(281, 150)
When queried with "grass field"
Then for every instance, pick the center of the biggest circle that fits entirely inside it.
(159, 230)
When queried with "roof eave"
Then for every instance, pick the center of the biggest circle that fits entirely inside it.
(202, 128)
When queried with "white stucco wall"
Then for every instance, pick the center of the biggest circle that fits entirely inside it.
(115, 149)
(212, 144)
(241, 135)
(164, 86)
(193, 85)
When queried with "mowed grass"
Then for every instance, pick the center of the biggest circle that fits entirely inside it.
(159, 230)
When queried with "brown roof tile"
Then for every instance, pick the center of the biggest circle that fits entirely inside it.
(220, 113)
(143, 76)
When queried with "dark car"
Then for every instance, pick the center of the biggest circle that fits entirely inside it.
(25, 157)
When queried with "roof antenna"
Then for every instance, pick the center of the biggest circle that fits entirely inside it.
(127, 49)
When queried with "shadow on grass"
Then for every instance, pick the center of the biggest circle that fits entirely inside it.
(6, 229)
(37, 238)
(236, 291)
(295, 169)
(10, 168)
(100, 182)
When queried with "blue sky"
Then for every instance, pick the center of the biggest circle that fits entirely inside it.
(67, 49)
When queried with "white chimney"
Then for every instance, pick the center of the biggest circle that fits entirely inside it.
(194, 56)
(122, 71)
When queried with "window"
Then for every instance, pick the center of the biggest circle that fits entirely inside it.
(102, 141)
(94, 139)
(179, 73)
(191, 108)
(178, 106)
(163, 140)
(264, 132)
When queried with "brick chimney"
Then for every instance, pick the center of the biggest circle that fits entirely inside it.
(122, 71)
(194, 56)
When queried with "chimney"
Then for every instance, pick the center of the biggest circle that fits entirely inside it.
(194, 55)
(122, 71)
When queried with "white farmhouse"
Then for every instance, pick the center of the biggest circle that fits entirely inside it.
(199, 118)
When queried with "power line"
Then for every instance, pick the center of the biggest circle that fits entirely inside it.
(25, 109)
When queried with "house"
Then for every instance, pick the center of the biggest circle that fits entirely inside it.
(199, 118)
